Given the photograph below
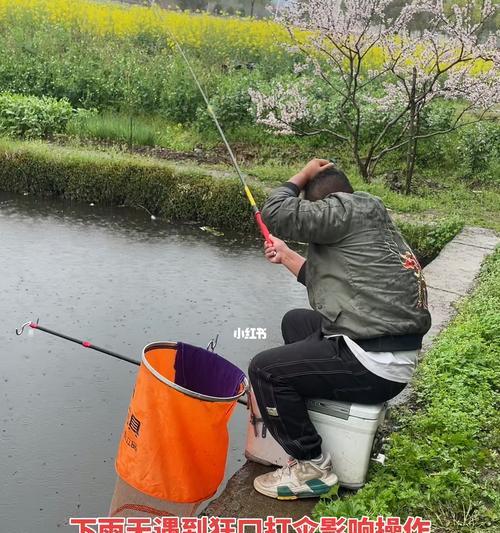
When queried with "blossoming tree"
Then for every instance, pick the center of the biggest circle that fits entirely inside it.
(380, 77)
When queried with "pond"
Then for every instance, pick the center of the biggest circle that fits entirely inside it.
(117, 278)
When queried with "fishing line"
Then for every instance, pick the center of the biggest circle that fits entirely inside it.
(256, 211)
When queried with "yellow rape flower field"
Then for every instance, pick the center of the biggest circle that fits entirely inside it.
(192, 29)
(197, 30)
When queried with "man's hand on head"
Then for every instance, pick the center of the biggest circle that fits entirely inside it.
(309, 171)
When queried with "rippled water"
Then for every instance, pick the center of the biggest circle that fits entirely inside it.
(121, 280)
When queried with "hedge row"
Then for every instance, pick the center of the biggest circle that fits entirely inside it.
(166, 190)
(428, 239)
(112, 179)
(31, 117)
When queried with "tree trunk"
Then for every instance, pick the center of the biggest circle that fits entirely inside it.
(412, 133)
(363, 164)
(364, 168)
(365, 172)
(252, 7)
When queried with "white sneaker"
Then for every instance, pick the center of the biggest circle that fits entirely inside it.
(298, 479)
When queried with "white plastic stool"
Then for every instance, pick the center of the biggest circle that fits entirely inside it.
(347, 429)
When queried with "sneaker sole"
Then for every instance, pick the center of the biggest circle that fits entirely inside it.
(305, 491)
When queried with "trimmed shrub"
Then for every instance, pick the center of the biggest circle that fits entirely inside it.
(31, 117)
(180, 97)
(231, 102)
(427, 240)
(439, 150)
(114, 179)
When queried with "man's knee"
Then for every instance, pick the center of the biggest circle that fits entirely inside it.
(291, 317)
(258, 364)
(289, 321)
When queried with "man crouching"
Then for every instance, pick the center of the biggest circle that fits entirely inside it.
(359, 342)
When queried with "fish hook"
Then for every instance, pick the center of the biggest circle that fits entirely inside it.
(20, 331)
(213, 343)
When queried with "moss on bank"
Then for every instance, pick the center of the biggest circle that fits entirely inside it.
(442, 464)
(166, 190)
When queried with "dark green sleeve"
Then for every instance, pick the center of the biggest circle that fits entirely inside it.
(289, 217)
(301, 276)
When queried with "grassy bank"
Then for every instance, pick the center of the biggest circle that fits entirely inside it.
(116, 66)
(442, 463)
(167, 190)
(118, 61)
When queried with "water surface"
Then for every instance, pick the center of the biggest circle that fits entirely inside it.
(117, 278)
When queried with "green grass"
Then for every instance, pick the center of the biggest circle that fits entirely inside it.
(121, 128)
(442, 464)
(158, 131)
(116, 128)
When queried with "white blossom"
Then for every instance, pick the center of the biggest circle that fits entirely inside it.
(282, 107)
(450, 59)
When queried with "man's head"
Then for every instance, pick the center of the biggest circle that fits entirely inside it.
(326, 182)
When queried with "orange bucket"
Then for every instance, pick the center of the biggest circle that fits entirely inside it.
(175, 440)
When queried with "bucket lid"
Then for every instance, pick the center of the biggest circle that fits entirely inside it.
(344, 410)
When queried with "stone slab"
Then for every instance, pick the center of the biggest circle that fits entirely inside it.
(456, 267)
(442, 306)
(241, 500)
(478, 237)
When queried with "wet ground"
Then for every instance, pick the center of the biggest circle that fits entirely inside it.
(121, 280)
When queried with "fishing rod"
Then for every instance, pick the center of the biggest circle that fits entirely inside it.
(256, 211)
(86, 344)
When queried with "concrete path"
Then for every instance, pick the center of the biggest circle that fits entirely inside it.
(452, 274)
(449, 277)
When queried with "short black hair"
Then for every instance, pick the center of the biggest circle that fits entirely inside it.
(326, 182)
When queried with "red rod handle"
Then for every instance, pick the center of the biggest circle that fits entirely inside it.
(263, 228)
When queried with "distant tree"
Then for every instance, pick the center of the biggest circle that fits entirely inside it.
(422, 19)
(450, 60)
(252, 7)
(256, 4)
(217, 10)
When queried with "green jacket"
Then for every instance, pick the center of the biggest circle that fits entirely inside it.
(360, 273)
